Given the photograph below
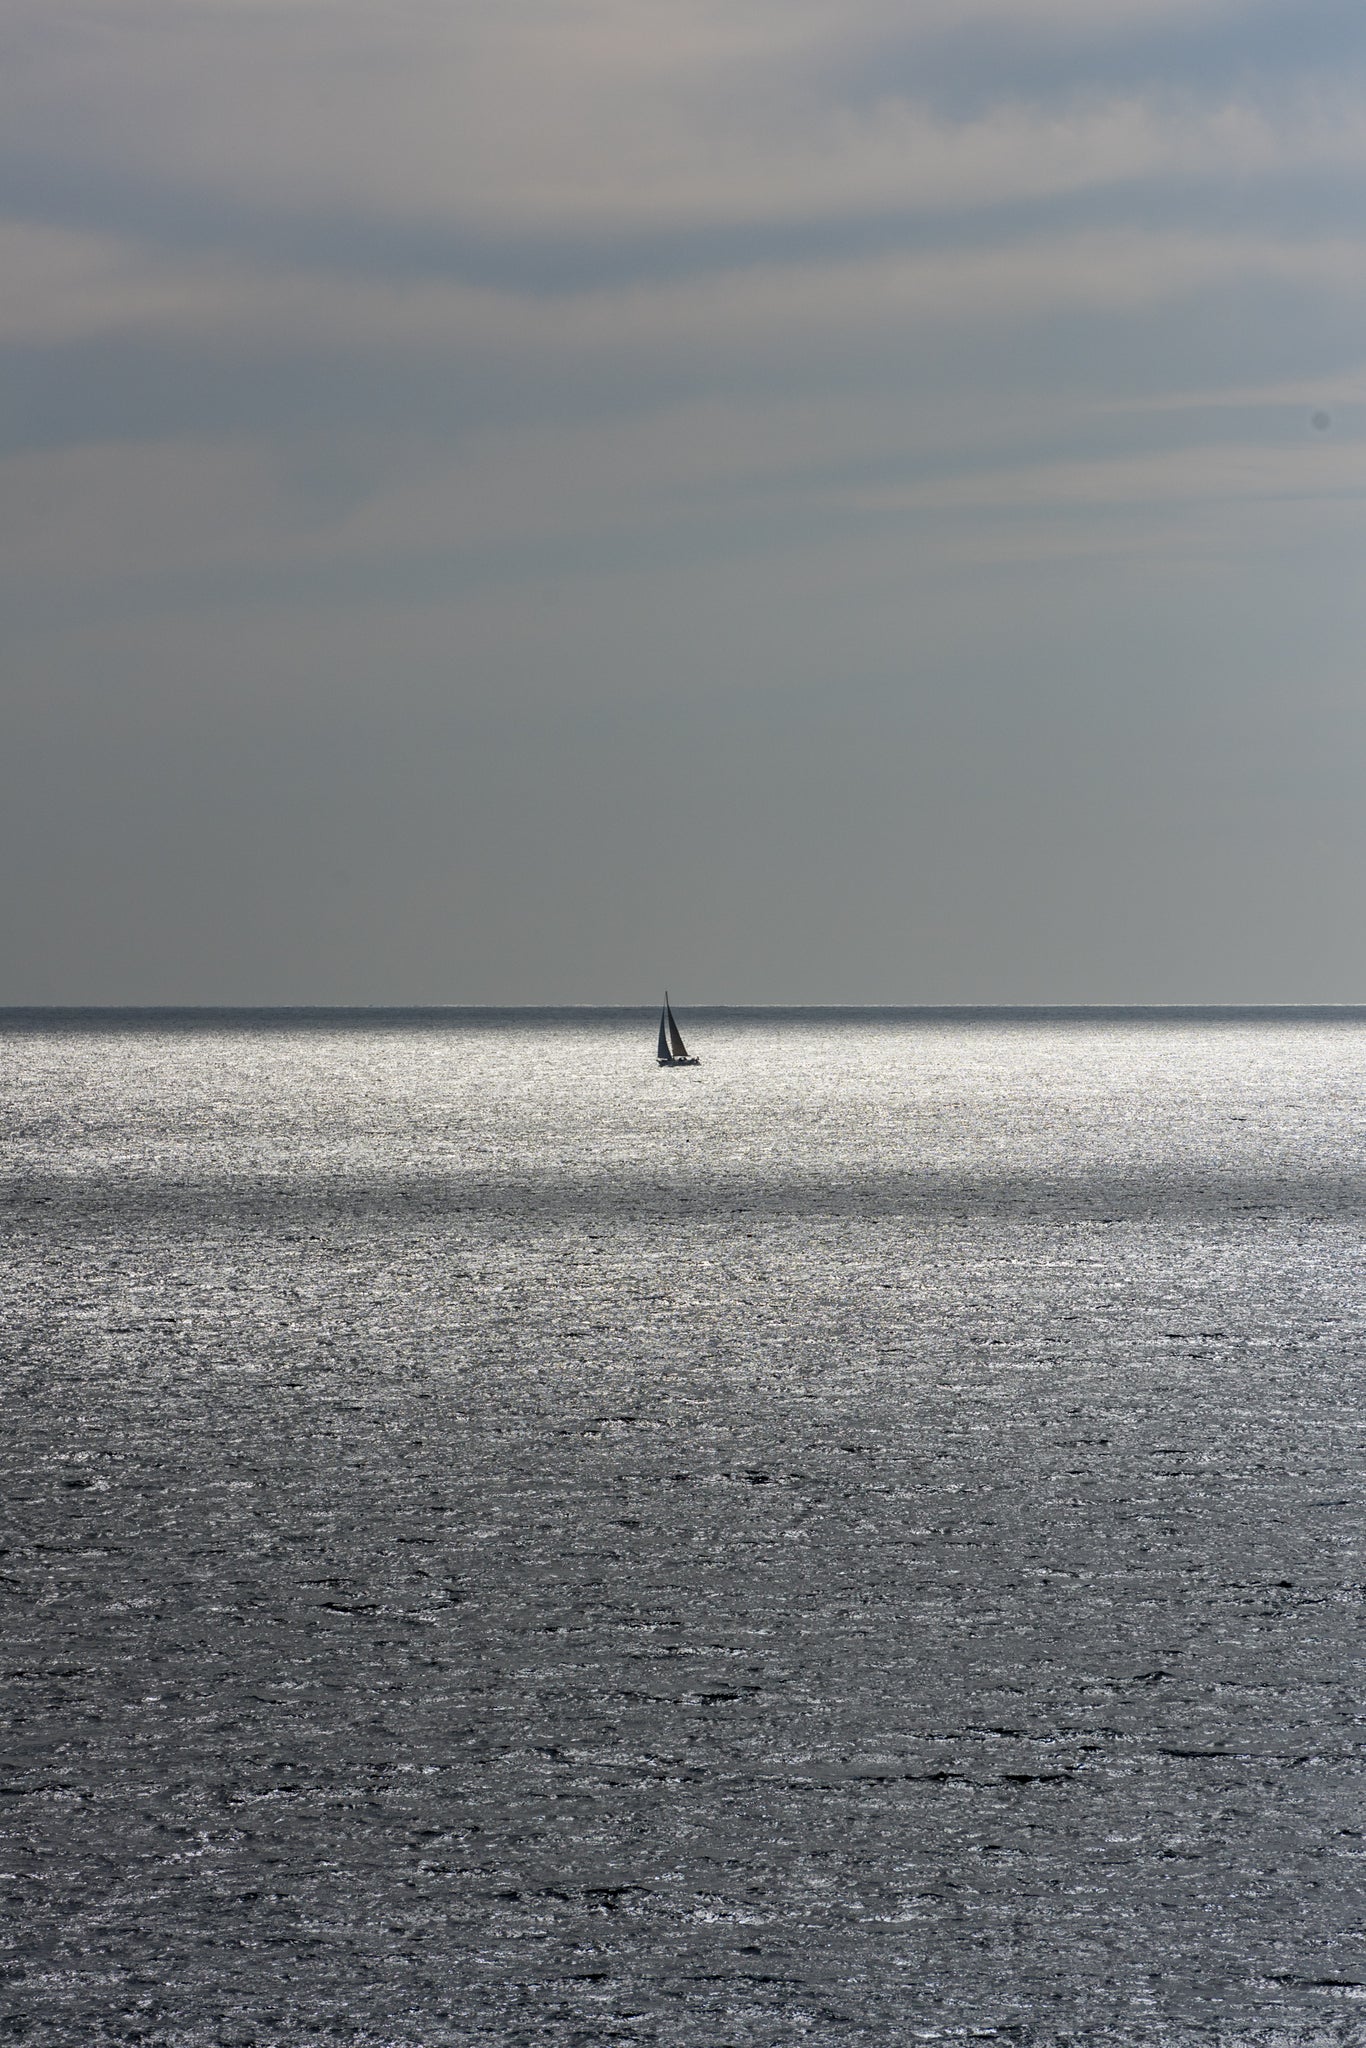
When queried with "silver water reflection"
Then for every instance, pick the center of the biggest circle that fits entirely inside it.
(856, 1541)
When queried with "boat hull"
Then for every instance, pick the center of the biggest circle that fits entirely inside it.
(689, 1060)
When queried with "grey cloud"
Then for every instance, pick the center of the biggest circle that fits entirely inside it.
(353, 656)
(1260, 48)
(564, 262)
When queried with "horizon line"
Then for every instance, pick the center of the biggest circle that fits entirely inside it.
(938, 1009)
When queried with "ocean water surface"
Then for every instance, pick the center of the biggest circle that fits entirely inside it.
(859, 1541)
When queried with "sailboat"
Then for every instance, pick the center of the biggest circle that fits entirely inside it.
(672, 1051)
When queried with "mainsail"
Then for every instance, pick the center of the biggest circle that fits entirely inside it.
(672, 1051)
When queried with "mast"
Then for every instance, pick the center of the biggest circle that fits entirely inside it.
(664, 1052)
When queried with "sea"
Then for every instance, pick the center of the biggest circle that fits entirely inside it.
(857, 1541)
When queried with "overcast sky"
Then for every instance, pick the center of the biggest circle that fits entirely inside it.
(827, 500)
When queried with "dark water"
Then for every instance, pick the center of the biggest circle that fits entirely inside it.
(856, 1542)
